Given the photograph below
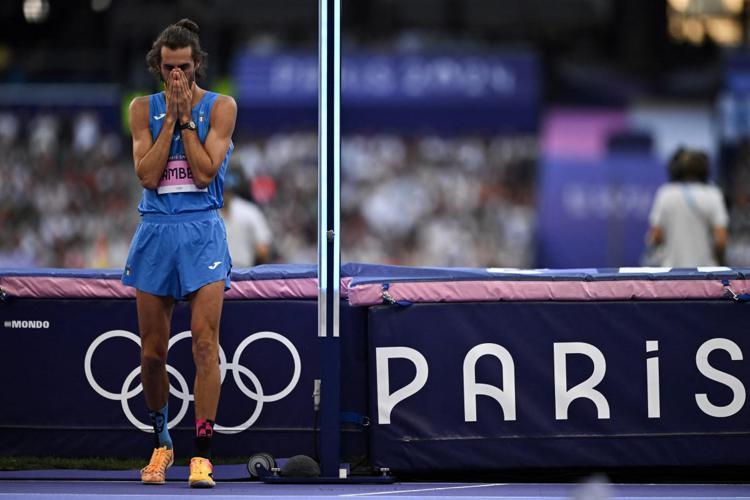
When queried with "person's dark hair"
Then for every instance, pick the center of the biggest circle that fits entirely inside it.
(688, 165)
(236, 182)
(183, 33)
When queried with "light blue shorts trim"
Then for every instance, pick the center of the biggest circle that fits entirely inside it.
(178, 254)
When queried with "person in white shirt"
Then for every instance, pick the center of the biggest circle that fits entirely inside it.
(688, 220)
(248, 232)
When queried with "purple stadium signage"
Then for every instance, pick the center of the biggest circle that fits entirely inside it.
(489, 92)
(293, 78)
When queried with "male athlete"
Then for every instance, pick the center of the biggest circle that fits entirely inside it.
(181, 148)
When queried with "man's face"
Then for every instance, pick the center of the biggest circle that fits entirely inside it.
(181, 58)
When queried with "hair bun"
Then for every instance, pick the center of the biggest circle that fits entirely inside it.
(188, 24)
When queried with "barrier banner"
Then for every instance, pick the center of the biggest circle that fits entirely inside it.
(488, 91)
(487, 386)
(293, 77)
(73, 378)
(595, 212)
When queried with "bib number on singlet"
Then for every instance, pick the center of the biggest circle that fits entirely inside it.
(177, 178)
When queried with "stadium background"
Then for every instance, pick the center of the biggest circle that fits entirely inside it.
(528, 134)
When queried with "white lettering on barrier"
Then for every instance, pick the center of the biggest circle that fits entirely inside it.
(387, 400)
(565, 396)
(736, 386)
(652, 381)
(505, 396)
(27, 324)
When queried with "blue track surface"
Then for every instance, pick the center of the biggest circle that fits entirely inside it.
(111, 490)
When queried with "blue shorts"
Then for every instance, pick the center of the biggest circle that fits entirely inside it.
(178, 254)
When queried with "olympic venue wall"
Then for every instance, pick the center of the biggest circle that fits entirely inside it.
(77, 390)
(446, 385)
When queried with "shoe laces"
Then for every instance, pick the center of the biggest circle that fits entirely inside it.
(159, 460)
(202, 464)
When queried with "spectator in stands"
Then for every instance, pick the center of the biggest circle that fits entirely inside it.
(248, 233)
(688, 218)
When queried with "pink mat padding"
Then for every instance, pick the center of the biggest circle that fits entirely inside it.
(484, 290)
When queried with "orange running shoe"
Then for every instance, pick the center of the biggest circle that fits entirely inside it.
(156, 470)
(201, 473)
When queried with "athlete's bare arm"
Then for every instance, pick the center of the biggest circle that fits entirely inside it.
(205, 159)
(149, 157)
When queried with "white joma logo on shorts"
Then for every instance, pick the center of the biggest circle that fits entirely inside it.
(214, 265)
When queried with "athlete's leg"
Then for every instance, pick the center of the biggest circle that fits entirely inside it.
(206, 304)
(154, 318)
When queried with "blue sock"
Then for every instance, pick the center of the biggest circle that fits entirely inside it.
(159, 419)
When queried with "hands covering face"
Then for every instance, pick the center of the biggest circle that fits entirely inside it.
(179, 95)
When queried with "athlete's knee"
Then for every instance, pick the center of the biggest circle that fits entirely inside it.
(208, 324)
(153, 360)
(205, 353)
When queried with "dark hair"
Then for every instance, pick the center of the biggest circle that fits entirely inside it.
(183, 33)
(688, 165)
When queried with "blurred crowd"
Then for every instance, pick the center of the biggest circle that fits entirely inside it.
(68, 196)
(465, 201)
(66, 193)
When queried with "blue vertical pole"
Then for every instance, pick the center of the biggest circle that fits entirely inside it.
(329, 251)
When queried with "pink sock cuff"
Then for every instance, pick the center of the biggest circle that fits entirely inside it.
(204, 427)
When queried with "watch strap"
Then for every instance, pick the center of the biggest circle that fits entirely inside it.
(190, 125)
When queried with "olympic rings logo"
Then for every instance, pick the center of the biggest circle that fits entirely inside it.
(237, 369)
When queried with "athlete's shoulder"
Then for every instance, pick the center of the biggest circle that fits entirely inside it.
(224, 108)
(139, 103)
(138, 109)
(226, 101)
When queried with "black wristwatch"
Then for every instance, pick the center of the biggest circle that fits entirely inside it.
(188, 126)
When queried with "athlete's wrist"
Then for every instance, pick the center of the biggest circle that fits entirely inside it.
(191, 126)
